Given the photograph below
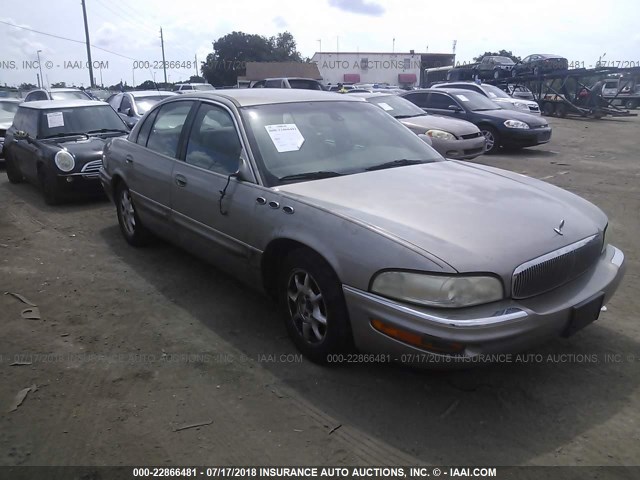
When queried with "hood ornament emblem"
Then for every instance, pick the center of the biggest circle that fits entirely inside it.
(558, 229)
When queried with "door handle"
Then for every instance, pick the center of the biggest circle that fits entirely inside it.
(181, 181)
(128, 159)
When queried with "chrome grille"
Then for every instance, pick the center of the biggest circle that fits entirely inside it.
(554, 269)
(91, 169)
(471, 135)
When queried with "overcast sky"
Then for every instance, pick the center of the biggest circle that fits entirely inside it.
(580, 31)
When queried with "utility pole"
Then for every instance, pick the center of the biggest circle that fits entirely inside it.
(393, 48)
(196, 65)
(320, 42)
(164, 65)
(40, 78)
(86, 34)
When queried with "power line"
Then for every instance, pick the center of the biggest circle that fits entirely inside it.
(65, 38)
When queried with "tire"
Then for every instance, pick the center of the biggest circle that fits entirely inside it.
(514, 74)
(13, 173)
(49, 187)
(497, 74)
(313, 306)
(536, 71)
(492, 138)
(133, 231)
(561, 110)
(547, 109)
(631, 104)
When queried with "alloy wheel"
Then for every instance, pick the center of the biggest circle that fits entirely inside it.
(307, 307)
(127, 212)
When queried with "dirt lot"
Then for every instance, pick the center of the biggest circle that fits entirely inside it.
(135, 344)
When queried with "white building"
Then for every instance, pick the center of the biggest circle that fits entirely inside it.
(403, 69)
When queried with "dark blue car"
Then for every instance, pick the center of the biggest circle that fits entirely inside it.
(501, 127)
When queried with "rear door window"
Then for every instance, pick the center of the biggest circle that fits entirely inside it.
(167, 128)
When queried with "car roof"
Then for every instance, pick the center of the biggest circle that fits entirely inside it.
(66, 89)
(148, 93)
(51, 104)
(10, 100)
(291, 78)
(371, 94)
(243, 97)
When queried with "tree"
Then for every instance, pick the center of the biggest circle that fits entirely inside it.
(196, 79)
(232, 51)
(501, 53)
(27, 86)
(147, 85)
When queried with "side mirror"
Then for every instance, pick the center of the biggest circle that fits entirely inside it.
(455, 108)
(129, 112)
(244, 172)
(21, 135)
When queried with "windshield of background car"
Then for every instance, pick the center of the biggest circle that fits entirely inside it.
(305, 84)
(78, 120)
(396, 106)
(203, 87)
(7, 111)
(145, 103)
(475, 101)
(68, 96)
(504, 60)
(494, 92)
(341, 137)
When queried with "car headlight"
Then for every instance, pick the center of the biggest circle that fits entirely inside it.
(440, 135)
(521, 106)
(65, 161)
(515, 124)
(438, 290)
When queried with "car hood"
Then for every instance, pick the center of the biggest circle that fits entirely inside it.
(83, 149)
(473, 217)
(457, 127)
(504, 114)
(4, 125)
(514, 100)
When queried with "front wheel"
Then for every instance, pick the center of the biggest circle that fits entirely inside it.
(496, 74)
(631, 104)
(492, 139)
(12, 170)
(49, 187)
(313, 305)
(131, 227)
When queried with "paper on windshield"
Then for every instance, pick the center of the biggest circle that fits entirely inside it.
(385, 106)
(285, 137)
(463, 98)
(55, 119)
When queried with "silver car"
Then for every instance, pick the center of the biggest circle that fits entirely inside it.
(452, 138)
(496, 95)
(360, 231)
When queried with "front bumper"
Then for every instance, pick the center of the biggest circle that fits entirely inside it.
(460, 149)
(507, 326)
(517, 137)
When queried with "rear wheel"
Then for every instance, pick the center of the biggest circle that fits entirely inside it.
(49, 187)
(536, 71)
(13, 173)
(561, 110)
(631, 104)
(313, 305)
(496, 74)
(491, 136)
(547, 109)
(131, 227)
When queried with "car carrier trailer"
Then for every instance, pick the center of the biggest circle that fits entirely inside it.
(579, 92)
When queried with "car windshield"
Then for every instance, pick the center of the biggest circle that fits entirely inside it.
(8, 111)
(321, 139)
(71, 95)
(396, 106)
(203, 87)
(60, 121)
(504, 60)
(494, 92)
(475, 102)
(145, 103)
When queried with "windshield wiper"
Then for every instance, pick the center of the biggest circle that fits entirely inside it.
(309, 176)
(65, 134)
(108, 130)
(396, 163)
(410, 116)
